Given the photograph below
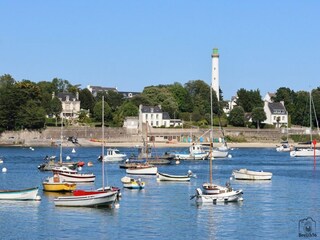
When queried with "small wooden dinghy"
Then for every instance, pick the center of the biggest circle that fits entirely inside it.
(169, 177)
(245, 174)
(132, 183)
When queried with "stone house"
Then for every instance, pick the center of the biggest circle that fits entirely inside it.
(70, 105)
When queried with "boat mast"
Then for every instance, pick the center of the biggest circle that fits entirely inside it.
(310, 116)
(211, 136)
(61, 139)
(102, 145)
(146, 146)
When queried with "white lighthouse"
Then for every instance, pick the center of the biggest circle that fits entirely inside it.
(215, 71)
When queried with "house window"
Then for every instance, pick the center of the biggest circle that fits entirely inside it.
(275, 118)
(151, 115)
(151, 123)
(146, 116)
(157, 116)
(157, 123)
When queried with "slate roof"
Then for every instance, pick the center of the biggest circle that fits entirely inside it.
(151, 109)
(277, 108)
(63, 96)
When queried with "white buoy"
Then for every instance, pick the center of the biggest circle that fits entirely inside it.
(4, 170)
(68, 158)
(229, 156)
(31, 148)
(79, 168)
(117, 205)
(73, 150)
(177, 162)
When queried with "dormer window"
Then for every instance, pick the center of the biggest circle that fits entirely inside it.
(151, 110)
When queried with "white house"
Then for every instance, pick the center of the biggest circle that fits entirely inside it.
(70, 105)
(156, 117)
(231, 104)
(276, 113)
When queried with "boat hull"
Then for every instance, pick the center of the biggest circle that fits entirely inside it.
(305, 152)
(142, 171)
(23, 194)
(91, 200)
(244, 174)
(77, 177)
(168, 177)
(199, 156)
(219, 154)
(59, 187)
(229, 196)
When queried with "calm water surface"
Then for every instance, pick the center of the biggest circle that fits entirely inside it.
(270, 209)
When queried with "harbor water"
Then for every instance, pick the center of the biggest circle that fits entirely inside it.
(287, 207)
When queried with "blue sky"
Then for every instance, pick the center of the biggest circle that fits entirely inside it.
(132, 44)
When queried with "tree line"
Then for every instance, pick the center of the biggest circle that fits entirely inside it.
(29, 105)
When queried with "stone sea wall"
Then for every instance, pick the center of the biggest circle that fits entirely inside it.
(51, 135)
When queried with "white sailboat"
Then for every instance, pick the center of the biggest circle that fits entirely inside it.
(213, 193)
(70, 175)
(245, 174)
(104, 196)
(310, 151)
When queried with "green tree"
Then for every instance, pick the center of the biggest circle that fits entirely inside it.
(55, 108)
(316, 103)
(182, 97)
(249, 99)
(83, 117)
(236, 117)
(6, 81)
(128, 109)
(301, 115)
(114, 99)
(61, 85)
(97, 112)
(87, 101)
(199, 92)
(30, 116)
(46, 91)
(140, 100)
(258, 115)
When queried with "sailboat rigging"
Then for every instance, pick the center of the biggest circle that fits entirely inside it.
(212, 193)
(105, 196)
(308, 152)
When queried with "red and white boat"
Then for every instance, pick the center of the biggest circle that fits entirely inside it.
(69, 175)
(88, 199)
(105, 196)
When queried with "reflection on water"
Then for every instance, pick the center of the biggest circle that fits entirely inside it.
(56, 194)
(271, 209)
